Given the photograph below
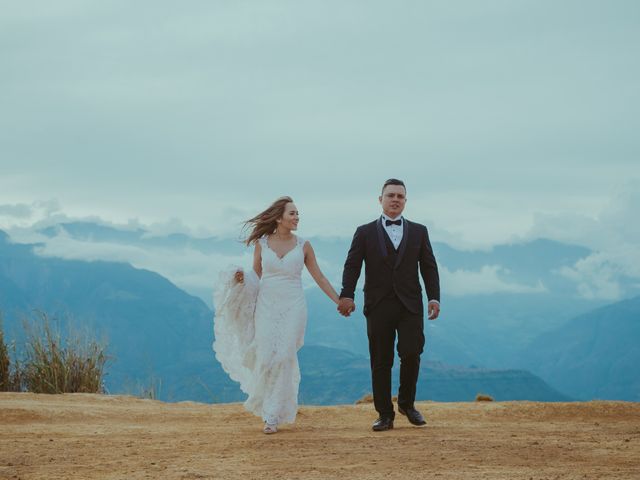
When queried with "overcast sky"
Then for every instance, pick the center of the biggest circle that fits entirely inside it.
(505, 118)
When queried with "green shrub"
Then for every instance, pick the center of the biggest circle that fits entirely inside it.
(54, 365)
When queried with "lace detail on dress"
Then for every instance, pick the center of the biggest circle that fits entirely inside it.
(264, 360)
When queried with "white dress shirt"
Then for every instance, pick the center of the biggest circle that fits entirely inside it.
(394, 231)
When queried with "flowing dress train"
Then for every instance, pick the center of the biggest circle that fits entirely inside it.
(259, 327)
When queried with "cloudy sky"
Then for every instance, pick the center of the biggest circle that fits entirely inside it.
(507, 119)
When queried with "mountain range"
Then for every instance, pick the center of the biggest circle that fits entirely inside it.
(160, 336)
(595, 355)
(495, 302)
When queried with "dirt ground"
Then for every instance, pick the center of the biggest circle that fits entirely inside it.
(81, 436)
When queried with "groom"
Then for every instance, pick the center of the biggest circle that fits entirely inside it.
(392, 249)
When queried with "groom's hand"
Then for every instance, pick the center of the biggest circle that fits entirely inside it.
(433, 310)
(346, 306)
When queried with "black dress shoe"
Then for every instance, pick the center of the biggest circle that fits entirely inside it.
(382, 424)
(413, 415)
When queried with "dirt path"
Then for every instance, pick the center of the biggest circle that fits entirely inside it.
(81, 436)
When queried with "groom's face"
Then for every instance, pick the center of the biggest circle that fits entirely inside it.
(393, 200)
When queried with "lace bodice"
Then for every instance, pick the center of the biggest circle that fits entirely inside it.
(289, 266)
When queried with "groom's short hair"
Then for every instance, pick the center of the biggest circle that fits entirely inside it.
(393, 181)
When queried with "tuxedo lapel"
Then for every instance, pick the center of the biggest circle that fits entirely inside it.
(403, 243)
(381, 240)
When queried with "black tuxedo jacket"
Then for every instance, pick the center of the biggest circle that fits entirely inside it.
(387, 271)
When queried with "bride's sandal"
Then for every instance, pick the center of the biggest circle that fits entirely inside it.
(270, 428)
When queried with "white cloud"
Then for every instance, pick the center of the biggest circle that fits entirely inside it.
(614, 235)
(595, 278)
(27, 214)
(484, 281)
(187, 268)
(19, 210)
(190, 269)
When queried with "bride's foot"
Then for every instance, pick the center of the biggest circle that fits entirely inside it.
(270, 428)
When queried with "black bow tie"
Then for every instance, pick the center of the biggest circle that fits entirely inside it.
(393, 222)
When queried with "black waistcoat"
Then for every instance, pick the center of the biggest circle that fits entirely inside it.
(392, 253)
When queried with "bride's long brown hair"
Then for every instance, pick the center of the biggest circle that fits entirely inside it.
(265, 223)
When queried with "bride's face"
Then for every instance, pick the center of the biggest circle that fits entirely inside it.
(290, 218)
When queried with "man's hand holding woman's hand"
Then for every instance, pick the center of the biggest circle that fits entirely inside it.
(346, 306)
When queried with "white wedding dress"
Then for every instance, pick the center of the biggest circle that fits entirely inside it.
(259, 327)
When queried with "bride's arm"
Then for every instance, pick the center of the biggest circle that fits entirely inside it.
(312, 265)
(257, 265)
(257, 260)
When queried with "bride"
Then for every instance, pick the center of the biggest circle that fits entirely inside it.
(261, 315)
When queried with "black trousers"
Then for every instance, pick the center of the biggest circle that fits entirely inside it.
(386, 318)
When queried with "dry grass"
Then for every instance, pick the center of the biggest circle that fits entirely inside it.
(481, 397)
(5, 364)
(10, 375)
(53, 365)
(368, 398)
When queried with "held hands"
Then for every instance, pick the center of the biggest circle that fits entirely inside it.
(346, 306)
(239, 276)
